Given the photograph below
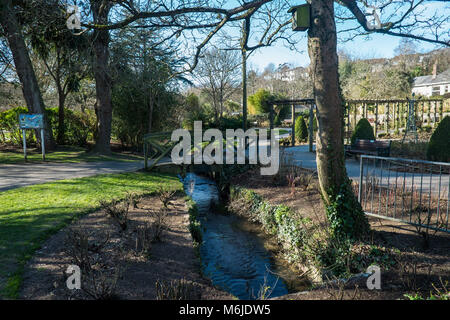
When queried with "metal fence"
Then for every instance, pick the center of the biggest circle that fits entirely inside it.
(411, 191)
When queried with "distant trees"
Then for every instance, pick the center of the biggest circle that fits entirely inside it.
(218, 75)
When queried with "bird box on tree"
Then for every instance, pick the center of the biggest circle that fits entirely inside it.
(301, 17)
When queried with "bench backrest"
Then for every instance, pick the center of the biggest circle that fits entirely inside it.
(370, 145)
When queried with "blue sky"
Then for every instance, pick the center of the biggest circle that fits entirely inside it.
(380, 46)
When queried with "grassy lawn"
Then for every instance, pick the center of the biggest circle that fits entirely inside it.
(29, 215)
(64, 154)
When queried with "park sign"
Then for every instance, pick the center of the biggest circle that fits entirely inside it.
(32, 121)
(301, 17)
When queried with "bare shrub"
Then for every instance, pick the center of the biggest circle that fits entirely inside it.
(144, 238)
(118, 211)
(80, 250)
(336, 289)
(133, 200)
(165, 196)
(100, 284)
(293, 175)
(409, 271)
(100, 272)
(160, 223)
(180, 289)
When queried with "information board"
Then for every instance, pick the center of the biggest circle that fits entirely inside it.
(31, 121)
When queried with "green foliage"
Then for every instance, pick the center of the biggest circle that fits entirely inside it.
(232, 106)
(277, 220)
(195, 112)
(305, 242)
(301, 131)
(277, 120)
(142, 87)
(235, 122)
(345, 215)
(363, 130)
(439, 145)
(260, 102)
(195, 226)
(79, 126)
(9, 127)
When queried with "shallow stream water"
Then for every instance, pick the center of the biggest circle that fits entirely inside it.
(235, 254)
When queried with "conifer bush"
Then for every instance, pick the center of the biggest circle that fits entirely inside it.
(363, 130)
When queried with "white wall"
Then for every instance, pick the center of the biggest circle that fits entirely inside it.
(428, 90)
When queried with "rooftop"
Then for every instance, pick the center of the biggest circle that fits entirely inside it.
(428, 80)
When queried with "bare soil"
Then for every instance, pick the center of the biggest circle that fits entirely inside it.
(173, 258)
(420, 262)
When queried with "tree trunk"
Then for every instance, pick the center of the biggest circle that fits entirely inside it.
(24, 68)
(150, 112)
(344, 212)
(100, 10)
(61, 117)
(244, 89)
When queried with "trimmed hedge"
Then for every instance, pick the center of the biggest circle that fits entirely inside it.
(363, 130)
(301, 131)
(439, 145)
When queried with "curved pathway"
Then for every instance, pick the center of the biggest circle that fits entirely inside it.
(20, 175)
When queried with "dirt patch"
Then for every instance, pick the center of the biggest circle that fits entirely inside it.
(172, 259)
(412, 263)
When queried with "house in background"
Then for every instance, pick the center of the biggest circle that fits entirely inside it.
(434, 85)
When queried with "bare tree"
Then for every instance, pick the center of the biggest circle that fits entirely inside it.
(218, 75)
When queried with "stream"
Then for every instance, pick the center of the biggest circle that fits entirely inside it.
(236, 254)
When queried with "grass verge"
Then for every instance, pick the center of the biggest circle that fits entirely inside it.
(63, 154)
(29, 215)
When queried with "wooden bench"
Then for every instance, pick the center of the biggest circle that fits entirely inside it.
(369, 147)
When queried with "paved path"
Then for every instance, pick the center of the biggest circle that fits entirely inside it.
(303, 158)
(19, 175)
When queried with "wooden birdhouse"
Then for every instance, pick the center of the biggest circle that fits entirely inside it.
(301, 17)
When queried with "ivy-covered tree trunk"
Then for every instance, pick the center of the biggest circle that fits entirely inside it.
(344, 212)
(101, 38)
(24, 68)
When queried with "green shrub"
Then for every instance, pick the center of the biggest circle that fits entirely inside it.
(79, 127)
(439, 145)
(363, 130)
(195, 226)
(9, 127)
(260, 102)
(277, 120)
(301, 131)
(235, 122)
